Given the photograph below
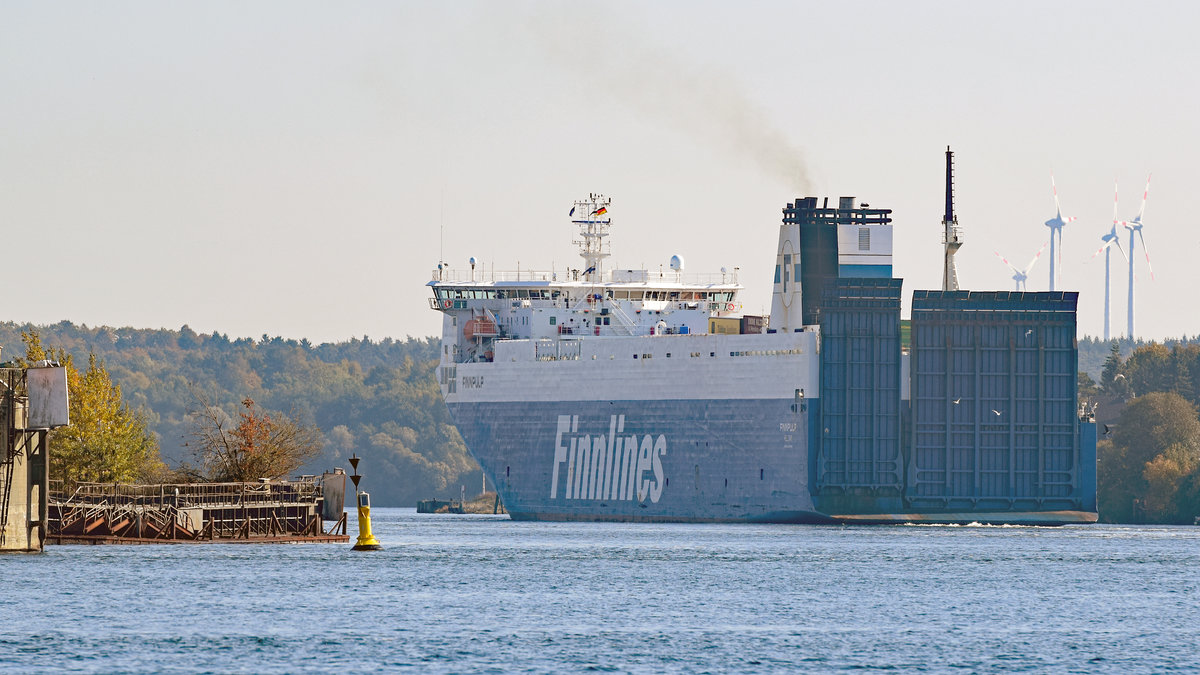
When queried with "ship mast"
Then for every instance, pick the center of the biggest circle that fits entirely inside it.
(951, 232)
(589, 215)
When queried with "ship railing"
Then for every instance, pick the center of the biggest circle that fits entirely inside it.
(954, 235)
(456, 276)
(193, 494)
(480, 276)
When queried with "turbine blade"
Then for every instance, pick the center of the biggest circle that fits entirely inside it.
(1035, 259)
(1114, 201)
(1147, 252)
(1005, 261)
(1057, 207)
(1105, 245)
(1144, 195)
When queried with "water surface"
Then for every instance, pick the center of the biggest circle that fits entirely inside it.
(485, 594)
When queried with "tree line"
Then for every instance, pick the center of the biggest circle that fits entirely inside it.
(378, 399)
(1148, 466)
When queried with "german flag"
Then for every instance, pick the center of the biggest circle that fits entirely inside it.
(600, 211)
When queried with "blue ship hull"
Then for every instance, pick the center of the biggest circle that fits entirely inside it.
(720, 460)
(659, 460)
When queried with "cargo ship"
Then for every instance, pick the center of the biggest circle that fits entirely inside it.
(598, 393)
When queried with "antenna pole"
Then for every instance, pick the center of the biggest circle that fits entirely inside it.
(591, 218)
(951, 233)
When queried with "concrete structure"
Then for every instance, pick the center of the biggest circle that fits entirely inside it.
(23, 465)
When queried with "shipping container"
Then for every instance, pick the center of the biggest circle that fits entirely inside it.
(724, 325)
(753, 325)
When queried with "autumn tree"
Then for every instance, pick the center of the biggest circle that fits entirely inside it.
(254, 445)
(1166, 476)
(1148, 470)
(106, 441)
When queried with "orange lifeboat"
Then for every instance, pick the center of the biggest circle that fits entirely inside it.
(479, 328)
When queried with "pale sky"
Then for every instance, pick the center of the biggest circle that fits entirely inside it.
(289, 168)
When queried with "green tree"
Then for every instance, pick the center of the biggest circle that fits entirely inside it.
(36, 351)
(1152, 426)
(1112, 380)
(1150, 368)
(106, 441)
(1088, 391)
(1183, 360)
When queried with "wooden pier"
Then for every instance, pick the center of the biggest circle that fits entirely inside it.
(263, 512)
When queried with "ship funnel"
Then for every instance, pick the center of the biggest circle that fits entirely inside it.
(818, 244)
(787, 306)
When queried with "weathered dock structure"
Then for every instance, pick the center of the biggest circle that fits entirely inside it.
(263, 512)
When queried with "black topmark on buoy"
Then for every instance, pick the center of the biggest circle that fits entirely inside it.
(366, 540)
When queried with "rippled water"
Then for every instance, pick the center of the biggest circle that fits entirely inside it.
(482, 593)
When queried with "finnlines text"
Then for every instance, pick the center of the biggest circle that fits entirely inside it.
(608, 466)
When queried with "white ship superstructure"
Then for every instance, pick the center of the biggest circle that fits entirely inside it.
(485, 307)
(662, 351)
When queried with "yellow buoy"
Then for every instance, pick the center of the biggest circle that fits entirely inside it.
(366, 540)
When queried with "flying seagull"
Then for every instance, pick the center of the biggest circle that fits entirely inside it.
(996, 411)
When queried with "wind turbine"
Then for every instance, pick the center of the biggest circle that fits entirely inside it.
(1020, 275)
(1056, 225)
(1111, 239)
(1135, 227)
